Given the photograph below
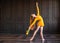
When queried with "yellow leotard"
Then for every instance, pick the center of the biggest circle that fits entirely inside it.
(39, 23)
(38, 18)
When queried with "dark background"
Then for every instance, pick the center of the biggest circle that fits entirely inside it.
(14, 15)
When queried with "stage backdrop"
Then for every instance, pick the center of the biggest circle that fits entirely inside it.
(15, 14)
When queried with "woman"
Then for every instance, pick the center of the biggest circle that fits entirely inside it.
(40, 24)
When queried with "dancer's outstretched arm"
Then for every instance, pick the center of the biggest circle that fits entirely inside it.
(38, 11)
(27, 32)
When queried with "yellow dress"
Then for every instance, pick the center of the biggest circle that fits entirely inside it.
(39, 21)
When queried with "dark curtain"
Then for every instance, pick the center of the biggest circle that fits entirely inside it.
(15, 14)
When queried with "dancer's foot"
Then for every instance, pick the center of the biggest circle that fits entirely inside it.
(31, 39)
(43, 39)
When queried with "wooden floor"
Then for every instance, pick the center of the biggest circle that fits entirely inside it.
(15, 38)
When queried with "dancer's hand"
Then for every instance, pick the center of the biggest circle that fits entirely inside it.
(36, 3)
(27, 32)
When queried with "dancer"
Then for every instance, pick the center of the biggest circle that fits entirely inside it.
(40, 24)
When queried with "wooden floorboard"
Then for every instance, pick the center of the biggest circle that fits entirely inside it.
(13, 38)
